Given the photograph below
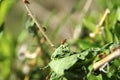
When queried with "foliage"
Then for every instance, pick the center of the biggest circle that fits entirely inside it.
(29, 56)
(78, 65)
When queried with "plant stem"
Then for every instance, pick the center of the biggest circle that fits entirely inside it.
(38, 25)
(98, 29)
(106, 59)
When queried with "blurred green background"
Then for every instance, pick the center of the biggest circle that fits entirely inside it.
(73, 20)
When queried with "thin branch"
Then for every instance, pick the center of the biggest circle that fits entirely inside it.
(114, 54)
(26, 3)
(77, 31)
(87, 6)
(99, 26)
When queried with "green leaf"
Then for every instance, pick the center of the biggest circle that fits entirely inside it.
(99, 77)
(7, 55)
(107, 46)
(117, 30)
(5, 6)
(62, 51)
(117, 24)
(94, 77)
(83, 54)
(118, 13)
(5, 68)
(7, 46)
(116, 62)
(108, 35)
(1, 30)
(29, 23)
(113, 16)
(86, 43)
(60, 65)
(54, 76)
(89, 25)
(116, 3)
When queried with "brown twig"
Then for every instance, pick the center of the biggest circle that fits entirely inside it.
(115, 53)
(26, 3)
(98, 27)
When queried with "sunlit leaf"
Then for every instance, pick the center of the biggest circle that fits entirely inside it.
(118, 13)
(62, 51)
(89, 25)
(60, 65)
